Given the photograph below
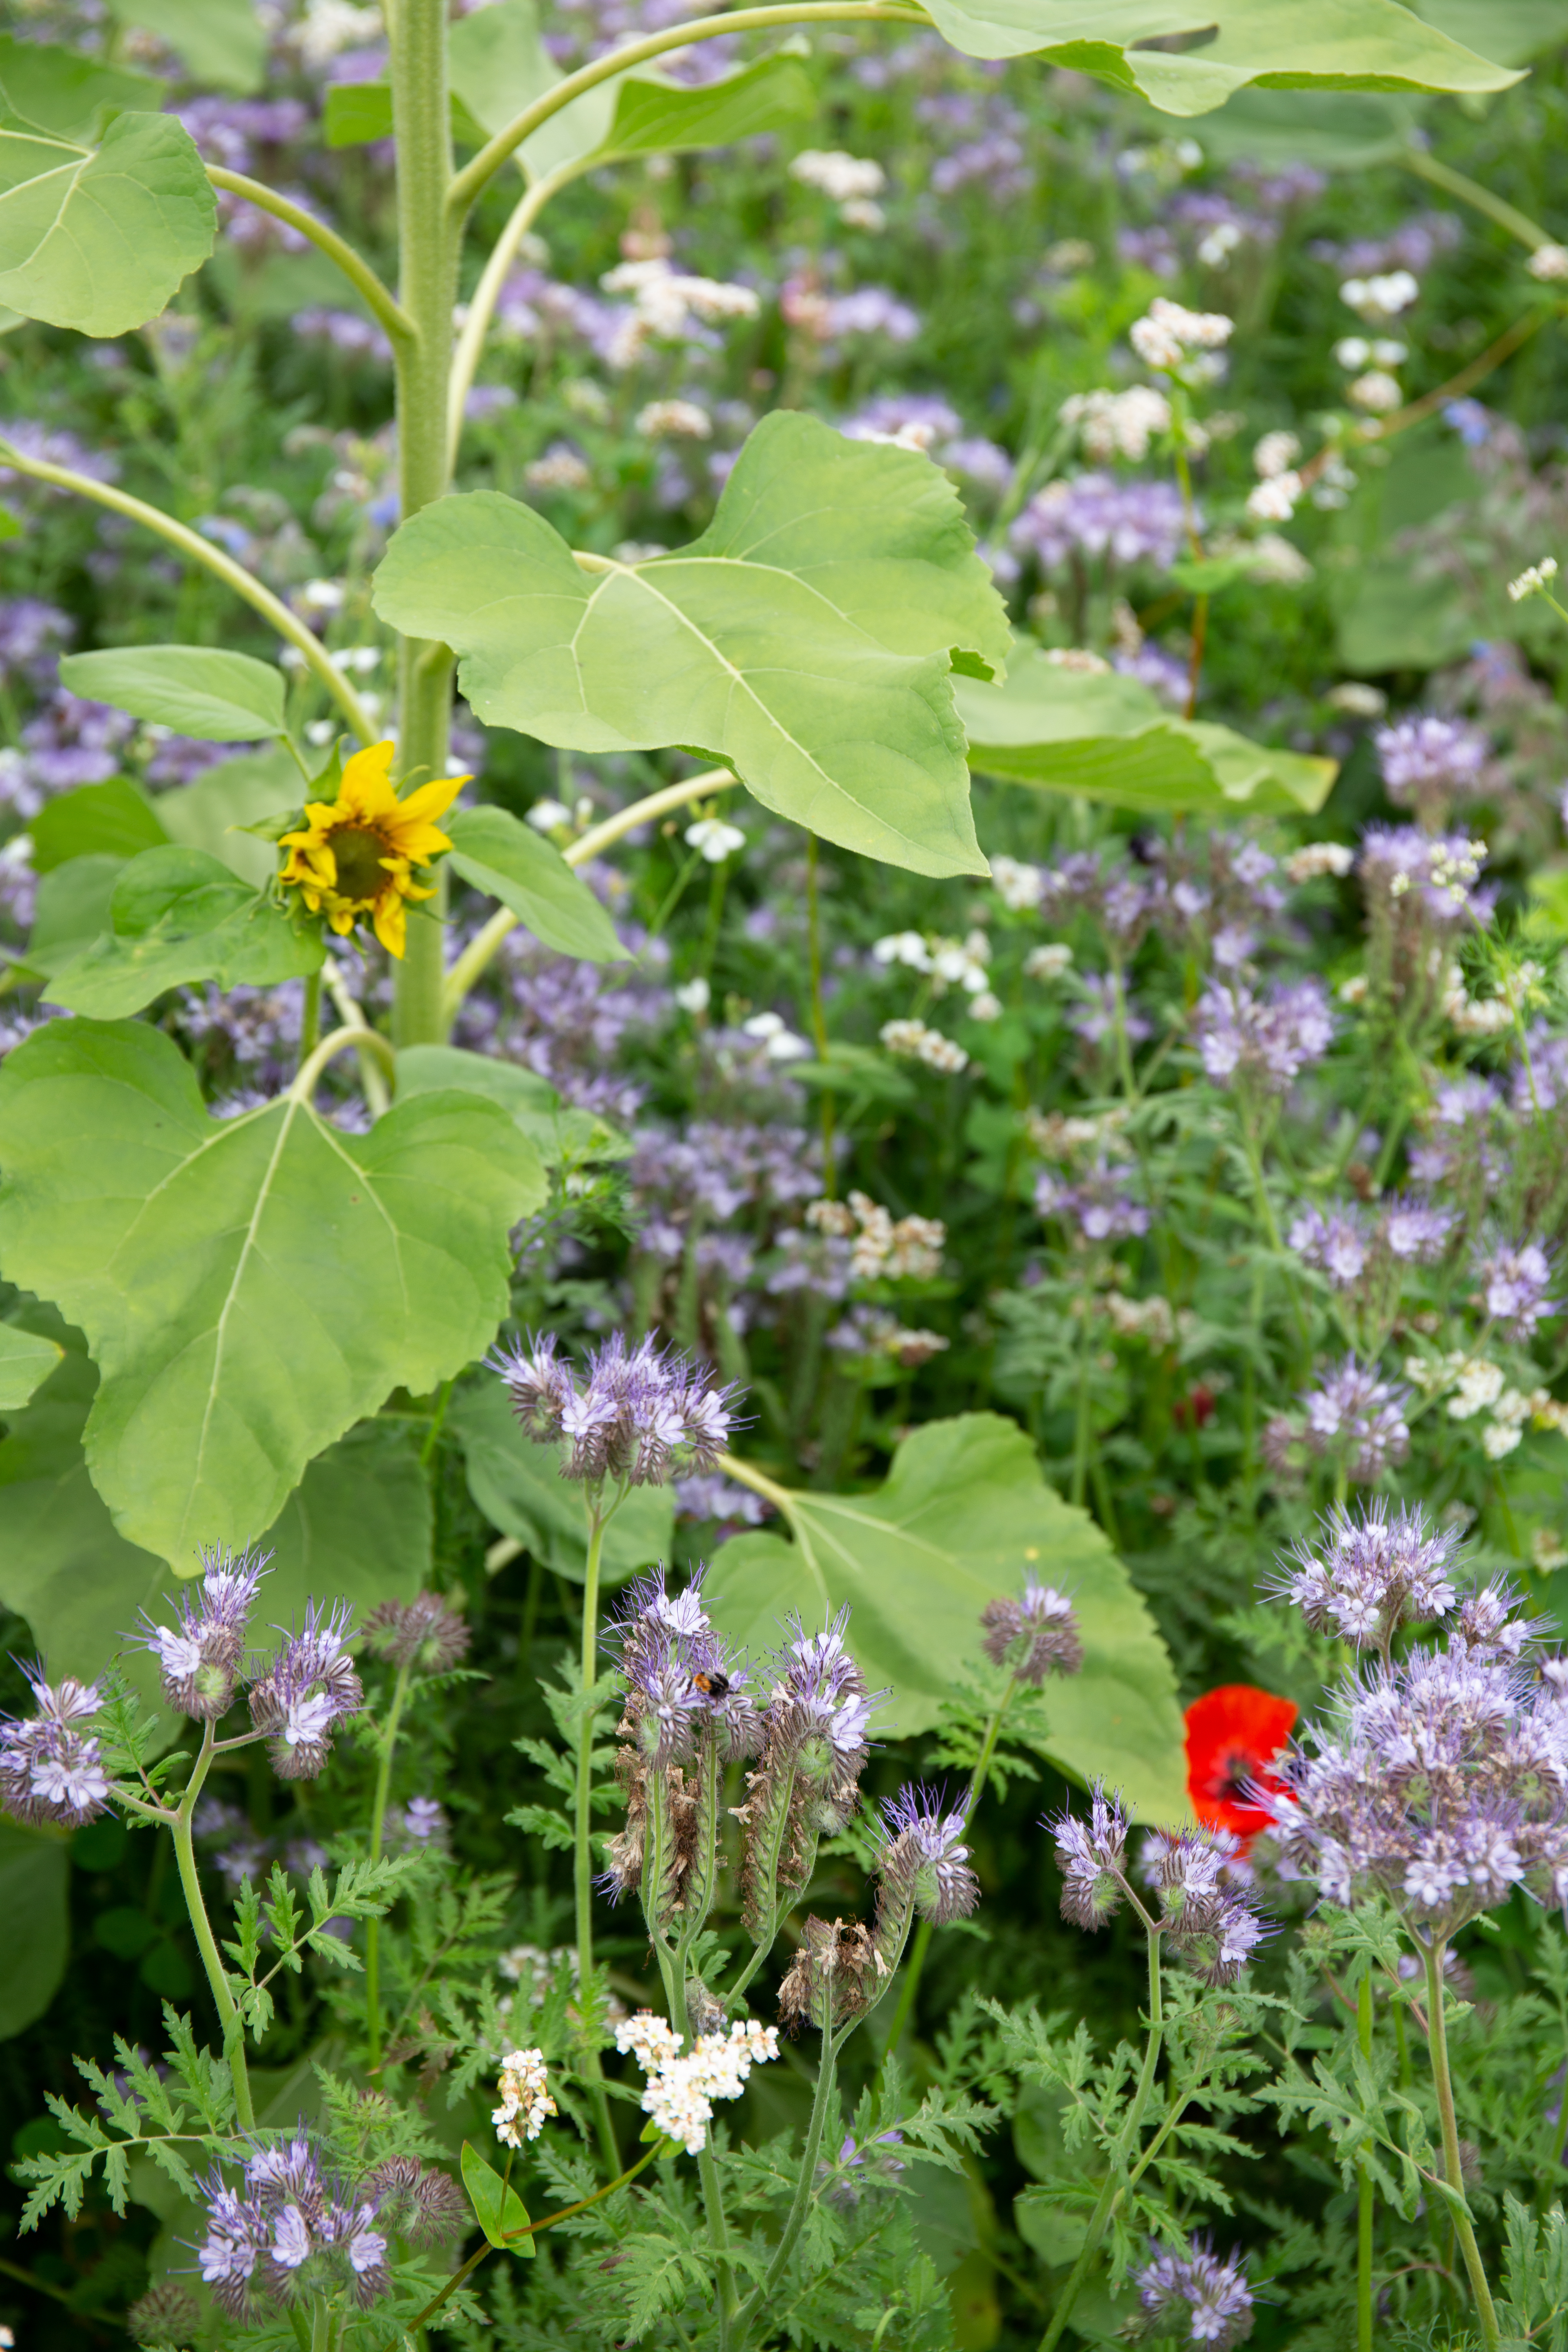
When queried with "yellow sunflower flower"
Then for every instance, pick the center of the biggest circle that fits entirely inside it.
(355, 856)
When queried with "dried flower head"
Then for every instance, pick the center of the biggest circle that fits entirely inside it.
(417, 2201)
(837, 1974)
(1035, 1636)
(201, 1656)
(425, 1633)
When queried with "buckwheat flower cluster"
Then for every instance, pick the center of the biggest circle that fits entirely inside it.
(881, 1249)
(307, 1691)
(1117, 423)
(1247, 1039)
(1370, 1571)
(1098, 1204)
(1536, 578)
(1513, 1288)
(1170, 338)
(912, 1041)
(641, 1415)
(50, 1769)
(1034, 1636)
(1428, 763)
(816, 1730)
(426, 1633)
(201, 1656)
(1355, 1414)
(294, 2233)
(1196, 2295)
(1442, 1780)
(681, 2091)
(525, 2101)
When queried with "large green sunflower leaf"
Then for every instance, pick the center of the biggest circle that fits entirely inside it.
(519, 1488)
(35, 1883)
(806, 639)
(498, 853)
(115, 819)
(198, 690)
(249, 1287)
(563, 1136)
(178, 916)
(52, 88)
(1269, 44)
(1110, 738)
(99, 236)
(223, 42)
(964, 1516)
(26, 1359)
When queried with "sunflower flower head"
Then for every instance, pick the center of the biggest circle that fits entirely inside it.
(354, 856)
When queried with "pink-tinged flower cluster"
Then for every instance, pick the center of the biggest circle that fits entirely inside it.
(1196, 2295)
(638, 1417)
(1206, 1910)
(1266, 1042)
(51, 1770)
(1441, 1782)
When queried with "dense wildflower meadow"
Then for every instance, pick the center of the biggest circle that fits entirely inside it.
(784, 1163)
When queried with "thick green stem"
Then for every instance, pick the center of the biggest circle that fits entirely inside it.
(1437, 2043)
(359, 273)
(310, 1017)
(377, 1828)
(234, 575)
(1471, 192)
(364, 1042)
(207, 1944)
(1083, 1430)
(428, 287)
(1364, 2189)
(1127, 2139)
(806, 2182)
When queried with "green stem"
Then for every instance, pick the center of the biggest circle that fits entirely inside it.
(725, 2298)
(1471, 192)
(1126, 2139)
(546, 2221)
(359, 273)
(583, 1826)
(1083, 1433)
(487, 294)
(476, 955)
(1364, 2187)
(377, 1827)
(202, 550)
(310, 1018)
(207, 1944)
(818, 1018)
(1437, 2043)
(804, 2187)
(364, 1041)
(483, 167)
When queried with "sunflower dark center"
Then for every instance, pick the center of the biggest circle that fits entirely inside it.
(358, 852)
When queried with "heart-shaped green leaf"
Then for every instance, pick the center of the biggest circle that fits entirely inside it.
(72, 910)
(497, 852)
(1110, 738)
(179, 915)
(111, 820)
(498, 2209)
(212, 812)
(519, 1488)
(249, 1287)
(221, 697)
(26, 1362)
(964, 1516)
(223, 42)
(99, 237)
(1276, 44)
(805, 640)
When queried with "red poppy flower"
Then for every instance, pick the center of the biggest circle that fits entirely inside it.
(1233, 1734)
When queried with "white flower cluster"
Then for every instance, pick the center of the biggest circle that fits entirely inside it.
(883, 1251)
(1480, 1386)
(664, 420)
(1117, 423)
(559, 468)
(911, 1041)
(1380, 299)
(524, 2097)
(668, 307)
(1534, 581)
(1049, 963)
(1018, 884)
(1057, 1137)
(1549, 263)
(1274, 501)
(1170, 336)
(779, 1042)
(680, 2092)
(844, 178)
(1275, 455)
(952, 963)
(715, 838)
(1316, 857)
(1143, 1318)
(329, 26)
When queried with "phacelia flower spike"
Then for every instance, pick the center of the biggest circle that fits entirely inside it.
(640, 1417)
(426, 1633)
(1195, 2296)
(1092, 1858)
(50, 1769)
(1035, 1636)
(202, 1656)
(305, 1692)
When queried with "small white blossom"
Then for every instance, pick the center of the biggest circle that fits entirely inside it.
(1378, 298)
(781, 1043)
(834, 173)
(1548, 262)
(1317, 857)
(715, 838)
(1376, 392)
(694, 995)
(1170, 334)
(675, 420)
(1275, 455)
(1018, 886)
(912, 1041)
(1534, 580)
(1118, 423)
(1046, 962)
(546, 816)
(1274, 500)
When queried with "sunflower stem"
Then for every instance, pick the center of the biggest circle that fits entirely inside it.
(310, 1018)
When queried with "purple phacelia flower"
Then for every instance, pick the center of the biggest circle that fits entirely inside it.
(1267, 1042)
(641, 1415)
(1359, 1417)
(1196, 2295)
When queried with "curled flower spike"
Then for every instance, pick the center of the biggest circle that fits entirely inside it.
(837, 1974)
(923, 1865)
(309, 1689)
(1092, 1858)
(1370, 1572)
(1035, 1636)
(1196, 2295)
(642, 1415)
(425, 1633)
(1206, 1907)
(50, 1770)
(202, 1655)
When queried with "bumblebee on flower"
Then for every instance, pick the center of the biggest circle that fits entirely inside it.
(355, 856)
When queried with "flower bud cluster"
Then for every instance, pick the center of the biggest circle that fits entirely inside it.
(1196, 2295)
(1035, 1636)
(50, 1770)
(922, 1864)
(426, 1633)
(1443, 1783)
(293, 2233)
(640, 1415)
(1206, 1909)
(681, 2091)
(525, 2100)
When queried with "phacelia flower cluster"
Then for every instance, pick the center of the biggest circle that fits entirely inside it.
(1428, 763)
(1035, 1635)
(307, 1691)
(50, 1769)
(1353, 1413)
(1263, 1042)
(525, 2101)
(639, 1415)
(1100, 1204)
(1371, 1571)
(1442, 1780)
(842, 1967)
(425, 1635)
(680, 2090)
(1196, 2295)
(816, 1730)
(1205, 1907)
(294, 2233)
(1513, 1288)
(202, 1656)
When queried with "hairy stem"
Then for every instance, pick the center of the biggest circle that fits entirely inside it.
(546, 2221)
(1363, 2188)
(202, 550)
(207, 1944)
(377, 1828)
(818, 1019)
(796, 2221)
(1438, 2044)
(1126, 2140)
(583, 1842)
(357, 270)
(364, 1041)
